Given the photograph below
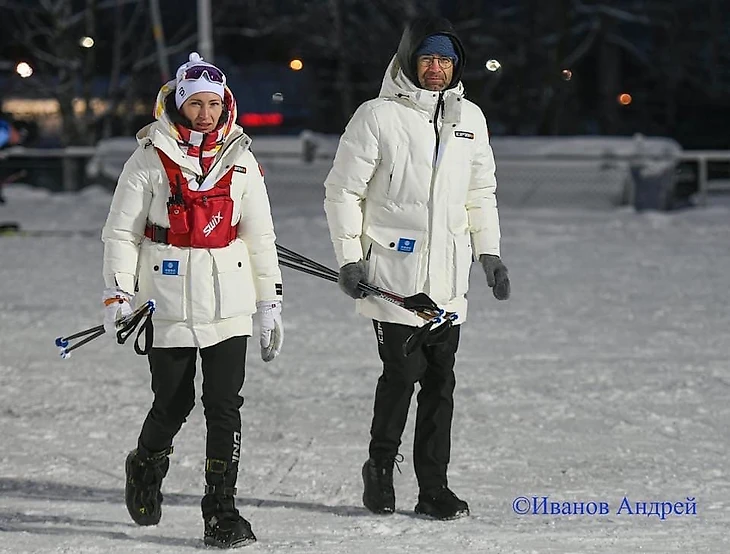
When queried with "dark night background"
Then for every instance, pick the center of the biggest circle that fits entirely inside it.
(671, 56)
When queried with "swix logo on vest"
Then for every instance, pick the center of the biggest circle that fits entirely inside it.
(208, 229)
(198, 219)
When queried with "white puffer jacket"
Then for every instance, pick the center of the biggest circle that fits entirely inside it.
(204, 296)
(417, 216)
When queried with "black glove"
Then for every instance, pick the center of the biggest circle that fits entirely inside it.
(350, 275)
(497, 277)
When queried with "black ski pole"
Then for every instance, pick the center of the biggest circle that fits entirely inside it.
(66, 350)
(420, 304)
(125, 326)
(308, 271)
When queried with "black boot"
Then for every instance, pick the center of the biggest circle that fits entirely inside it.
(441, 503)
(224, 526)
(377, 476)
(145, 471)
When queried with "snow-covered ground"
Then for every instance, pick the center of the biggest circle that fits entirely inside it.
(604, 377)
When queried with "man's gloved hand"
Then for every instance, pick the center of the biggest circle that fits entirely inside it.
(497, 277)
(350, 275)
(268, 313)
(117, 304)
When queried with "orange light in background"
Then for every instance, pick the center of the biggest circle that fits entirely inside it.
(261, 119)
(296, 64)
(624, 99)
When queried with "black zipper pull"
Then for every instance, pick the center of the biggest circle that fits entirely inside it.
(177, 197)
(201, 151)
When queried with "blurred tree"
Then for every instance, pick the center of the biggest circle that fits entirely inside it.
(50, 32)
(672, 55)
(347, 43)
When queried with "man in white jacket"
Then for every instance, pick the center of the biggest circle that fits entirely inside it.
(190, 226)
(410, 201)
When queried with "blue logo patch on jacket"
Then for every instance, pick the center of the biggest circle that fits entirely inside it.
(170, 267)
(406, 245)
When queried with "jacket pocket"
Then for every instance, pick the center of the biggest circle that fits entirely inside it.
(162, 271)
(234, 288)
(397, 171)
(394, 258)
(462, 263)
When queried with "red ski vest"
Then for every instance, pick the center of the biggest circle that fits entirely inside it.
(198, 219)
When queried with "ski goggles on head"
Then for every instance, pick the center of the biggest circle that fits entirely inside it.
(208, 72)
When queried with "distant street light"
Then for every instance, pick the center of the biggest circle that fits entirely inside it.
(24, 70)
(296, 64)
(86, 42)
(624, 99)
(493, 65)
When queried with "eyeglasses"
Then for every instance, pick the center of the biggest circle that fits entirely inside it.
(212, 74)
(426, 61)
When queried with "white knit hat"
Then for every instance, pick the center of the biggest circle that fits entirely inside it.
(197, 76)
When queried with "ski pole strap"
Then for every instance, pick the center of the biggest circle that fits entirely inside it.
(148, 329)
(129, 325)
(427, 335)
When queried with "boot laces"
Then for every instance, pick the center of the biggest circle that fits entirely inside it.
(396, 461)
(149, 476)
(384, 470)
(149, 472)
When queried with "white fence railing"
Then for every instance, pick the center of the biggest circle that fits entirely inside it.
(71, 160)
(702, 158)
(531, 170)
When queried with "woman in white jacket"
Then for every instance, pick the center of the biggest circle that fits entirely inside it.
(410, 200)
(190, 226)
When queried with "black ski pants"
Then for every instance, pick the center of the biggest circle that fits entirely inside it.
(432, 366)
(173, 383)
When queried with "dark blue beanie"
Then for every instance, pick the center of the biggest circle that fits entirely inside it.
(440, 45)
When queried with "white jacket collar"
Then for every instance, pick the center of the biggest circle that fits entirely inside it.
(156, 134)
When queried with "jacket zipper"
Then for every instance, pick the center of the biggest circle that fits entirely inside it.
(210, 170)
(427, 247)
(203, 173)
(439, 108)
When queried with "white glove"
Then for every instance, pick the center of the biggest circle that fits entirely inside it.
(268, 314)
(117, 304)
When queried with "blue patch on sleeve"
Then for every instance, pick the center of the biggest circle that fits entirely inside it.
(406, 245)
(170, 267)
